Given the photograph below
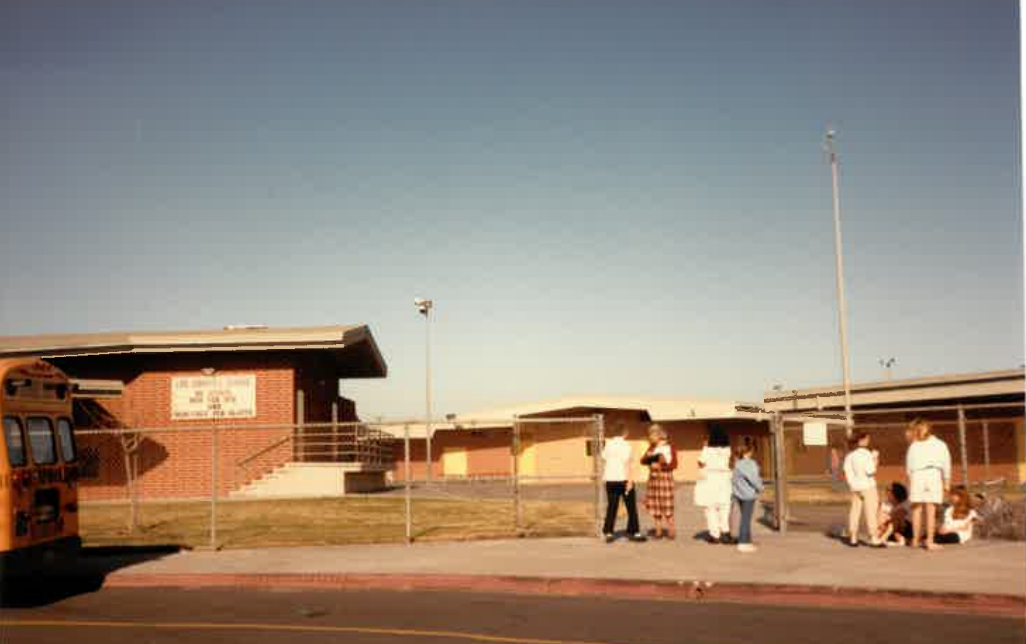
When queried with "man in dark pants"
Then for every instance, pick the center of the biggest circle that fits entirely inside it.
(619, 467)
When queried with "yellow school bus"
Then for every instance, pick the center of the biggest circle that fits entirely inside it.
(38, 466)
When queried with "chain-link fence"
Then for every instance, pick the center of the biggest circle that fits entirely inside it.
(983, 450)
(515, 477)
(232, 485)
(984, 442)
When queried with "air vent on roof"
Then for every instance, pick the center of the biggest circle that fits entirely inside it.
(244, 327)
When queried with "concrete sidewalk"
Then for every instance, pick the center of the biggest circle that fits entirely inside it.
(799, 559)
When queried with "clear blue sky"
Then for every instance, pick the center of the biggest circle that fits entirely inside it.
(623, 198)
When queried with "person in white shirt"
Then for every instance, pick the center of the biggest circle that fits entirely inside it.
(928, 463)
(959, 518)
(713, 490)
(618, 474)
(860, 471)
(892, 522)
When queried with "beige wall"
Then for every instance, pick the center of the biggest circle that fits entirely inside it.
(686, 437)
(555, 450)
(562, 450)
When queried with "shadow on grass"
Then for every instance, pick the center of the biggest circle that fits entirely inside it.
(39, 585)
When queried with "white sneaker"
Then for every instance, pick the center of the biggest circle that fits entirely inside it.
(746, 547)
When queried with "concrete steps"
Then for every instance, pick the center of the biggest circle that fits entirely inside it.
(313, 480)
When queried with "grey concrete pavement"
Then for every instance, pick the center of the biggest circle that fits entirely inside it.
(985, 567)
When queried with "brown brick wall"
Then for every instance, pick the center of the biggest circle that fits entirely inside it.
(1005, 458)
(490, 453)
(177, 464)
(418, 464)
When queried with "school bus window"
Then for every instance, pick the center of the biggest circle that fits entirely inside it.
(15, 442)
(40, 433)
(66, 439)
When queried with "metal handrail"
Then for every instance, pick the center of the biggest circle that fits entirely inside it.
(264, 450)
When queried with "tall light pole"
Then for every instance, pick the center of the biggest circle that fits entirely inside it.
(424, 307)
(842, 305)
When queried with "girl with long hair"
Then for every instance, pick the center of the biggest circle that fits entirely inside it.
(959, 518)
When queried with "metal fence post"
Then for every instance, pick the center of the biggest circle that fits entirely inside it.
(406, 484)
(129, 449)
(961, 445)
(598, 436)
(779, 474)
(334, 431)
(213, 486)
(135, 486)
(298, 446)
(986, 450)
(517, 516)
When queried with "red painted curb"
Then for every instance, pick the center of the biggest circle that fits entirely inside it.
(780, 595)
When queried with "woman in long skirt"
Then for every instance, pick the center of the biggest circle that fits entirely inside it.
(661, 460)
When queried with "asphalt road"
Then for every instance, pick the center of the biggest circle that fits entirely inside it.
(157, 616)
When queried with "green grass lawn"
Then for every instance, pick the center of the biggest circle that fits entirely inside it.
(350, 520)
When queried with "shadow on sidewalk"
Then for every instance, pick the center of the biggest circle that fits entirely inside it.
(76, 575)
(824, 519)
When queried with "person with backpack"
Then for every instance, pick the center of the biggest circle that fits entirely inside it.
(661, 459)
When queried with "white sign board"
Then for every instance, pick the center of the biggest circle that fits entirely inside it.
(814, 433)
(209, 397)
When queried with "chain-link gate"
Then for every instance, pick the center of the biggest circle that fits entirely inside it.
(515, 477)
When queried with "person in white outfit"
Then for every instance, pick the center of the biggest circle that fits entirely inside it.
(928, 463)
(713, 490)
(959, 518)
(860, 471)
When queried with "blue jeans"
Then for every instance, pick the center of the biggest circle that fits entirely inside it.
(745, 526)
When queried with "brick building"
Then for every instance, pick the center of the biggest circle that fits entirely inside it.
(255, 384)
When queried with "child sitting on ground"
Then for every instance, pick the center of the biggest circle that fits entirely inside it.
(959, 518)
(893, 518)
